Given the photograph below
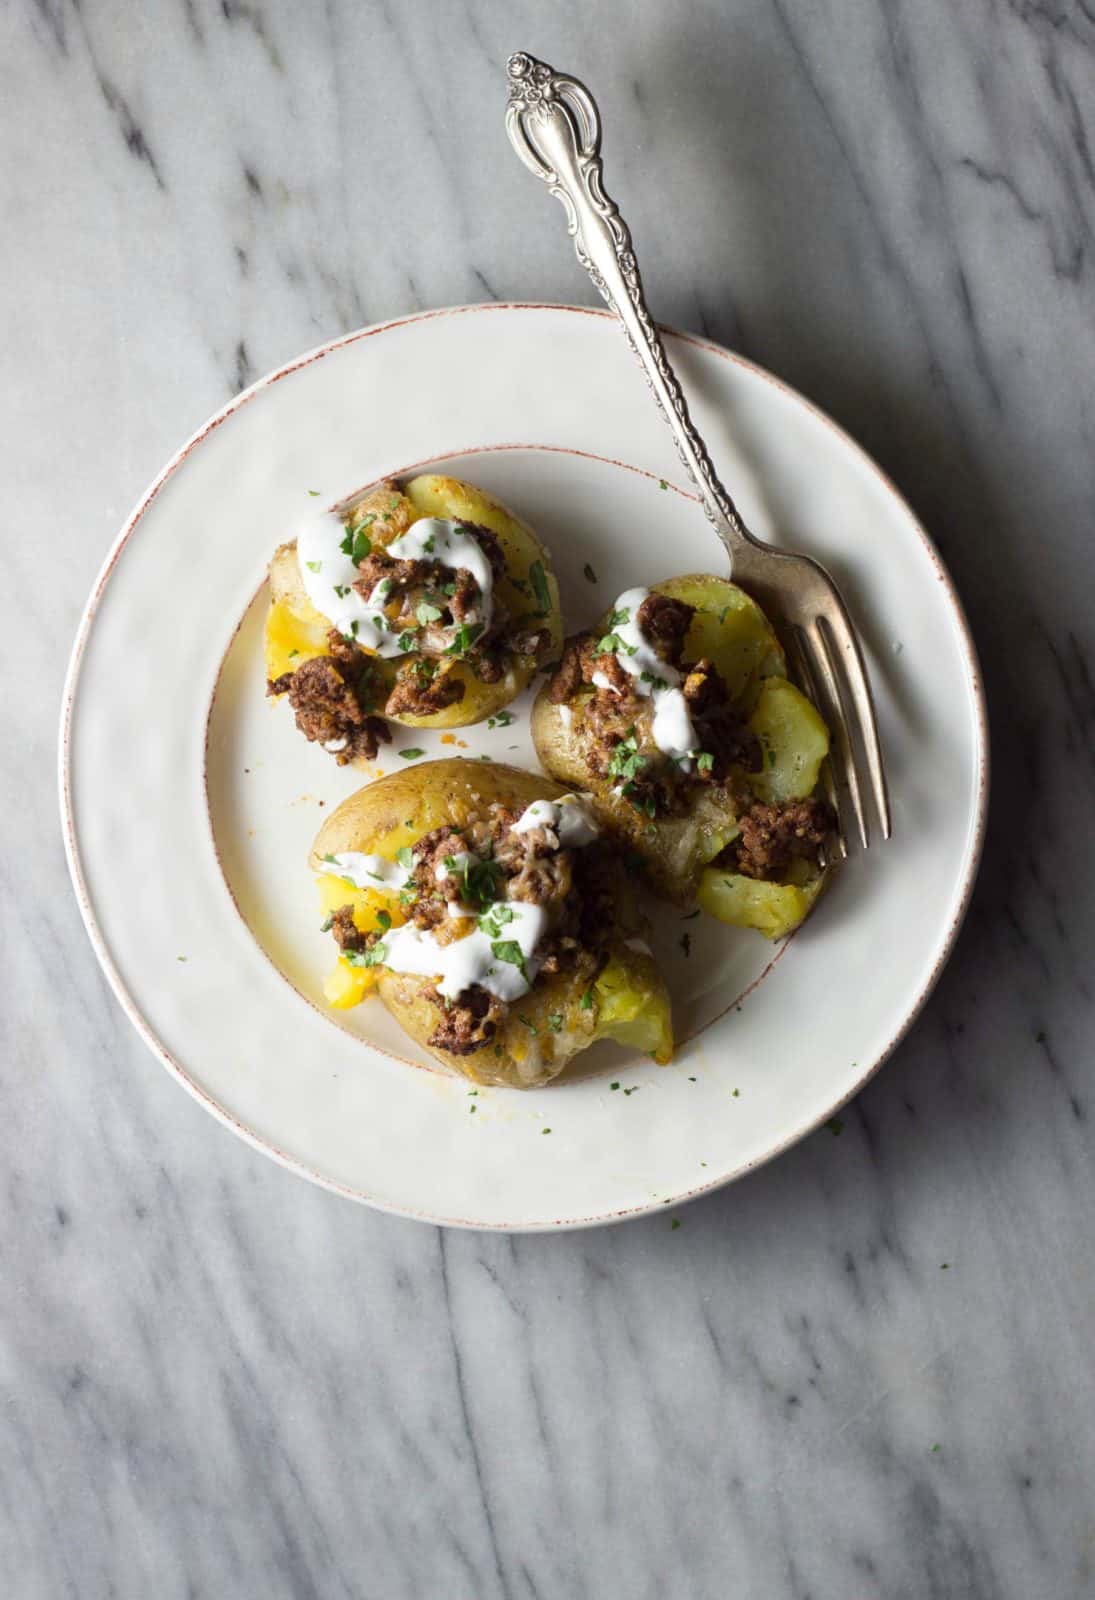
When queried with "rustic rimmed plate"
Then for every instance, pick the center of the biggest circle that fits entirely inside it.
(189, 802)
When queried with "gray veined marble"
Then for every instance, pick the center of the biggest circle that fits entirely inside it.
(866, 1370)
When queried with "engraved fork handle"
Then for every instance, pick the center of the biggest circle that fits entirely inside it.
(555, 128)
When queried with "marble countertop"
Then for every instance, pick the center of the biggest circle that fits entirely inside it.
(863, 1371)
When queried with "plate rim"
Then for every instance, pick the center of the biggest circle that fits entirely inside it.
(98, 942)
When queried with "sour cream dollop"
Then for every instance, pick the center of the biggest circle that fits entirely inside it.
(567, 821)
(673, 731)
(473, 959)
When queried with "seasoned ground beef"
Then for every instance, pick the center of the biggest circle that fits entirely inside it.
(774, 835)
(332, 698)
(467, 1023)
(722, 733)
(665, 623)
(419, 691)
(344, 930)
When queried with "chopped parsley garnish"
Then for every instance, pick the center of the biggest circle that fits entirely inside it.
(408, 896)
(448, 590)
(393, 503)
(617, 619)
(405, 856)
(530, 1025)
(626, 762)
(495, 918)
(509, 952)
(464, 637)
(589, 573)
(375, 956)
(835, 1126)
(722, 615)
(427, 613)
(479, 887)
(502, 720)
(314, 566)
(326, 925)
(705, 761)
(407, 642)
(356, 542)
(383, 921)
(676, 1222)
(412, 754)
(653, 680)
(428, 545)
(586, 1002)
(293, 653)
(612, 644)
(342, 590)
(614, 1086)
(314, 493)
(555, 1021)
(353, 630)
(538, 579)
(545, 1130)
(662, 484)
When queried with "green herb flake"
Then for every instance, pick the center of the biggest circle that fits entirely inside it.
(586, 1002)
(293, 653)
(614, 1086)
(180, 958)
(502, 720)
(555, 1021)
(835, 1126)
(722, 615)
(737, 1094)
(375, 956)
(662, 484)
(944, 1266)
(464, 637)
(691, 1080)
(472, 1110)
(427, 613)
(314, 493)
(676, 1222)
(626, 762)
(407, 642)
(705, 761)
(591, 576)
(342, 590)
(530, 1025)
(545, 1130)
(509, 951)
(635, 1087)
(538, 579)
(325, 926)
(314, 566)
(936, 1449)
(412, 754)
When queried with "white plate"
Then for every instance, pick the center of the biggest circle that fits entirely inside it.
(189, 802)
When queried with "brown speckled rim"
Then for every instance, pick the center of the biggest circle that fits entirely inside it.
(396, 474)
(156, 1045)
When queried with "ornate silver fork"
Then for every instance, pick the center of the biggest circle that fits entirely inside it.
(553, 124)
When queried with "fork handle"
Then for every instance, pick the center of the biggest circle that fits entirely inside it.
(555, 128)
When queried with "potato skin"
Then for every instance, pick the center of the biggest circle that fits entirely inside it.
(629, 1000)
(294, 624)
(732, 630)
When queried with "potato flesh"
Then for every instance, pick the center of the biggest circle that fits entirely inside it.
(730, 629)
(629, 1000)
(774, 909)
(296, 631)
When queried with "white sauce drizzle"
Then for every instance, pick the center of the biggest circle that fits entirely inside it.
(672, 731)
(367, 872)
(328, 575)
(471, 960)
(566, 821)
(566, 716)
